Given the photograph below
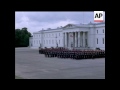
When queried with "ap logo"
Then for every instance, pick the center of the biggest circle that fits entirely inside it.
(98, 16)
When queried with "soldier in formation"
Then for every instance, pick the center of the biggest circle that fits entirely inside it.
(73, 54)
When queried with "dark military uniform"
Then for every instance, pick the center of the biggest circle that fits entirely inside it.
(84, 54)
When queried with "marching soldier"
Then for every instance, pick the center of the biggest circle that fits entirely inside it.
(90, 54)
(84, 54)
(97, 54)
(53, 53)
(58, 54)
(80, 55)
(72, 54)
(39, 50)
(63, 54)
(76, 55)
(93, 54)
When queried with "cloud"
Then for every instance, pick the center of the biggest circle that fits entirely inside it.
(35, 21)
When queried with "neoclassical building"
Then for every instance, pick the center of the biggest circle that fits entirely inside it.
(91, 35)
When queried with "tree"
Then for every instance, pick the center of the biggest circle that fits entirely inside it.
(22, 37)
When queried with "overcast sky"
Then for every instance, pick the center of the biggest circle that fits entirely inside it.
(35, 21)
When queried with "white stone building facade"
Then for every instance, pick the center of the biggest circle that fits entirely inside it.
(89, 35)
(31, 42)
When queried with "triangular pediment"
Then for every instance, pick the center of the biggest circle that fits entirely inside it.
(69, 26)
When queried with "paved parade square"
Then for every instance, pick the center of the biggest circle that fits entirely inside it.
(29, 64)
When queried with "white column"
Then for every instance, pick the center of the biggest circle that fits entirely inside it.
(68, 39)
(78, 39)
(75, 39)
(83, 39)
(87, 39)
(65, 39)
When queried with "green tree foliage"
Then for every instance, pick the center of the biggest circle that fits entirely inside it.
(22, 37)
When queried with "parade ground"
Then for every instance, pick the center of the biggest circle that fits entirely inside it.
(29, 64)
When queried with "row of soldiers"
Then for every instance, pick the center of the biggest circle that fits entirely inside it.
(74, 54)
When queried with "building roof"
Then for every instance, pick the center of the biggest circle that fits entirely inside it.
(74, 25)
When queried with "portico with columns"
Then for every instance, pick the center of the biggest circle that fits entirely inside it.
(75, 39)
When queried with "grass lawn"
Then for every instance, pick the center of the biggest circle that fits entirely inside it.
(16, 77)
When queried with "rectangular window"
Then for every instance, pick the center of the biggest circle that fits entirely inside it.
(97, 40)
(103, 30)
(103, 40)
(49, 41)
(59, 41)
(59, 34)
(97, 31)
